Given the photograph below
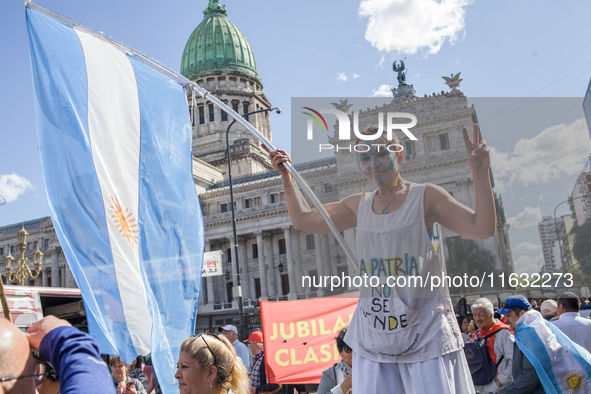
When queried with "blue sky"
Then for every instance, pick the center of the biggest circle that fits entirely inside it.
(345, 49)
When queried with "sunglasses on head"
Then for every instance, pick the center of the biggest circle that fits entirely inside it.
(206, 344)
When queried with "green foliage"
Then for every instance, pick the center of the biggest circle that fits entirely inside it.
(466, 257)
(582, 245)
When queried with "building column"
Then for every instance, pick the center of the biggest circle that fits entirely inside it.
(272, 281)
(244, 276)
(209, 279)
(319, 264)
(55, 268)
(324, 240)
(262, 267)
(290, 266)
(70, 281)
(297, 257)
(63, 277)
(44, 280)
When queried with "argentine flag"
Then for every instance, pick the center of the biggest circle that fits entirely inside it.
(562, 365)
(116, 150)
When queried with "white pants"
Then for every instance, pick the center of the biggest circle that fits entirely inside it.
(447, 374)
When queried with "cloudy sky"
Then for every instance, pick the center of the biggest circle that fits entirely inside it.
(510, 51)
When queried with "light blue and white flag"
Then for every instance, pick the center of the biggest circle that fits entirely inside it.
(562, 365)
(116, 151)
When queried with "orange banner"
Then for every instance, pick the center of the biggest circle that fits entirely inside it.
(299, 337)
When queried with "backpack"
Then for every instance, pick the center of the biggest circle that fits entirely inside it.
(481, 366)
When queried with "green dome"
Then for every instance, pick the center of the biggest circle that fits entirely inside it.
(217, 46)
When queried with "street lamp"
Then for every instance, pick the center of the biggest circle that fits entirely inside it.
(556, 228)
(23, 272)
(238, 279)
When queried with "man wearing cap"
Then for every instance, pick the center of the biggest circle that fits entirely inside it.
(570, 321)
(548, 310)
(525, 377)
(231, 332)
(258, 377)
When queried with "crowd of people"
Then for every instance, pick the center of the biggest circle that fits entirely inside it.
(513, 372)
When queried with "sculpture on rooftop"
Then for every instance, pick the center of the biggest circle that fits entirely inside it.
(454, 81)
(401, 72)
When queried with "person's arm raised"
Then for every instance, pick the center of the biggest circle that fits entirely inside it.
(343, 213)
(442, 208)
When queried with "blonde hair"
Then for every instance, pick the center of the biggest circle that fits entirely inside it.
(231, 373)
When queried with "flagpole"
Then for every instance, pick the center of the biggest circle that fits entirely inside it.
(4, 302)
(159, 67)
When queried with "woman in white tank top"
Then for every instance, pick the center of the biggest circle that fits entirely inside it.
(405, 338)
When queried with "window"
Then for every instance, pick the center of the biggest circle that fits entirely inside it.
(431, 144)
(444, 141)
(211, 113)
(328, 189)
(247, 203)
(310, 242)
(223, 208)
(229, 253)
(273, 198)
(45, 243)
(255, 251)
(224, 116)
(409, 149)
(11, 248)
(256, 201)
(201, 115)
(282, 249)
(1, 251)
(235, 106)
(245, 108)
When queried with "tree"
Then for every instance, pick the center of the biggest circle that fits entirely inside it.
(466, 257)
(582, 245)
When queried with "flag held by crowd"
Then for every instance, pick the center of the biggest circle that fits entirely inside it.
(562, 365)
(115, 145)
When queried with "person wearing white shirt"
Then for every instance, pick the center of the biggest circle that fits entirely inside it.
(570, 322)
(231, 332)
(337, 379)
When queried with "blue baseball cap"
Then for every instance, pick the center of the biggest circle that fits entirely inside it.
(516, 301)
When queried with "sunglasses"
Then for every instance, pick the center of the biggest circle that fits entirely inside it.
(511, 306)
(206, 344)
(39, 375)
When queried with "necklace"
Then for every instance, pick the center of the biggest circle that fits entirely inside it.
(385, 210)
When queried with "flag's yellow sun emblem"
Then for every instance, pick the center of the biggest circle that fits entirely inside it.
(122, 218)
(574, 381)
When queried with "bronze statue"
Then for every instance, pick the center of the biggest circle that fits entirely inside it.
(401, 72)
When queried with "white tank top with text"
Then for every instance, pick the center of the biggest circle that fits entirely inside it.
(402, 319)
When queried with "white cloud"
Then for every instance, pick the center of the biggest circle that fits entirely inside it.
(341, 77)
(555, 152)
(527, 265)
(381, 62)
(407, 26)
(355, 76)
(526, 247)
(541, 197)
(13, 185)
(529, 217)
(382, 91)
